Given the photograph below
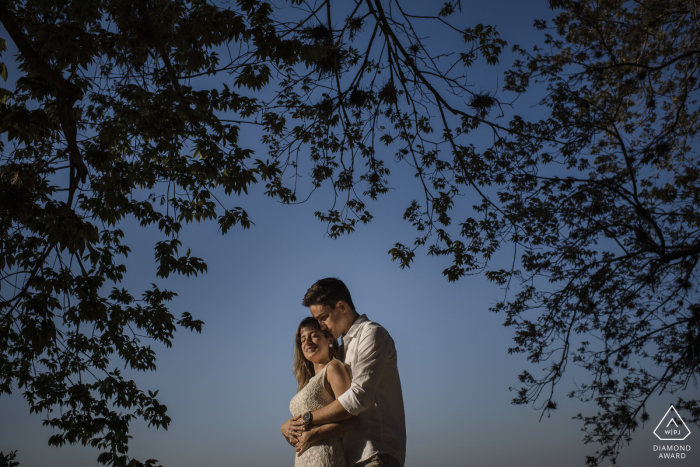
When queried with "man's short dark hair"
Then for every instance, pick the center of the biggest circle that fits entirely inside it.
(327, 292)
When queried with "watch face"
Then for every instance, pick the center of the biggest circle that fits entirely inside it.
(307, 417)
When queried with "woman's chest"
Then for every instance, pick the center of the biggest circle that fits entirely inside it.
(312, 397)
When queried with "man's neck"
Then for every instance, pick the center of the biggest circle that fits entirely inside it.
(354, 315)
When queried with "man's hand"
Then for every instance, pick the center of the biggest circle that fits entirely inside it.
(305, 440)
(289, 431)
(297, 424)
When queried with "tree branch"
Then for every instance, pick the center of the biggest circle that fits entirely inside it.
(166, 59)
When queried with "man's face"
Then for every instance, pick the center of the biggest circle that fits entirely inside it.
(330, 319)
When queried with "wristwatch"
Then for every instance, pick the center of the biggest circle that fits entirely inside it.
(308, 419)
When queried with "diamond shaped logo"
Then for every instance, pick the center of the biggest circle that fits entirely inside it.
(671, 427)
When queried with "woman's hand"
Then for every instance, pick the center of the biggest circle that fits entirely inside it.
(290, 432)
(305, 440)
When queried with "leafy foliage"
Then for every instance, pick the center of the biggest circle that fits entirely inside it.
(614, 231)
(114, 117)
(599, 198)
(103, 110)
(386, 88)
(9, 459)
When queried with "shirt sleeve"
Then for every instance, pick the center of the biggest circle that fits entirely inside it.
(374, 350)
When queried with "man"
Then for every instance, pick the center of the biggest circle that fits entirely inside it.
(375, 392)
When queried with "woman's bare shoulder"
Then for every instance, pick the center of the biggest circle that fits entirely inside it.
(337, 368)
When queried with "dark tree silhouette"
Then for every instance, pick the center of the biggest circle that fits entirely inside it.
(112, 118)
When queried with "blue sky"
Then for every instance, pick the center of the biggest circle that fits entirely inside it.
(228, 389)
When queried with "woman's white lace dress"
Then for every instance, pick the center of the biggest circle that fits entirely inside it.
(328, 452)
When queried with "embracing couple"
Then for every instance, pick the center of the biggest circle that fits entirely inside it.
(344, 414)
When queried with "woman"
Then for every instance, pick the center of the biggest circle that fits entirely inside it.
(321, 380)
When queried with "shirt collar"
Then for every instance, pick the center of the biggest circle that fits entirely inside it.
(355, 327)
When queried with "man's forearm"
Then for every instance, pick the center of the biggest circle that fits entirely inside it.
(331, 430)
(333, 412)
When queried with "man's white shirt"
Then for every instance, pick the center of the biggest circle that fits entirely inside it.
(374, 395)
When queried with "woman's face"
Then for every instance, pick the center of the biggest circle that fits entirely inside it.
(314, 344)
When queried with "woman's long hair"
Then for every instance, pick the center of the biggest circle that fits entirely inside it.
(302, 368)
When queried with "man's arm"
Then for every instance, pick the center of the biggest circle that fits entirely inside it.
(318, 433)
(339, 380)
(333, 412)
(375, 349)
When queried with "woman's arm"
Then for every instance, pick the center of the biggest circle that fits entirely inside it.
(308, 438)
(337, 378)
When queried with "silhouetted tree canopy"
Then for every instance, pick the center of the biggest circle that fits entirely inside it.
(132, 109)
(605, 212)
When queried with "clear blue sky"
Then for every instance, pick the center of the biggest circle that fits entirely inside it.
(228, 389)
